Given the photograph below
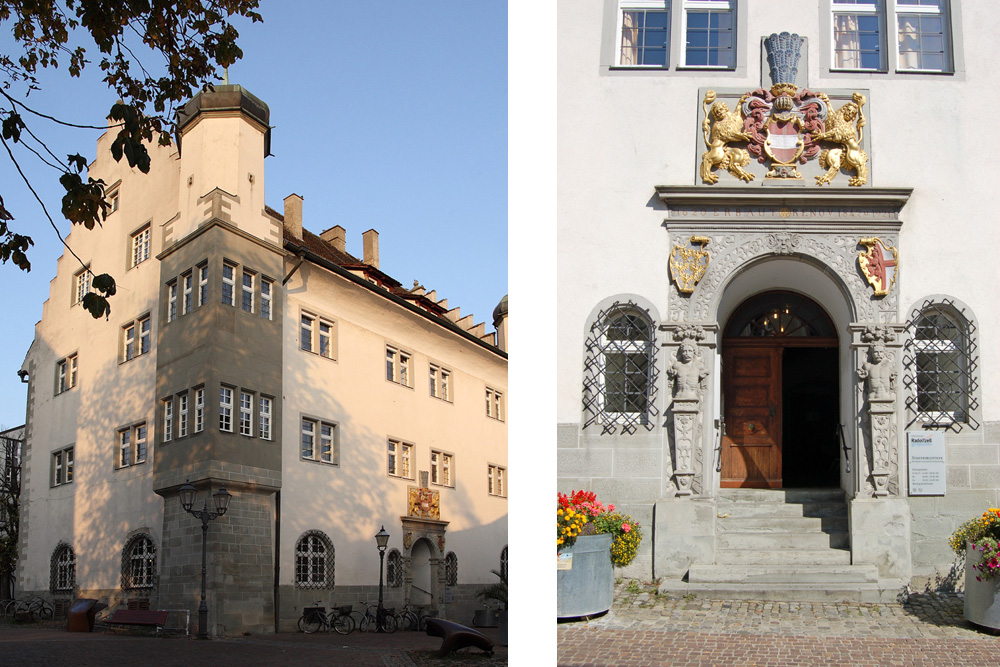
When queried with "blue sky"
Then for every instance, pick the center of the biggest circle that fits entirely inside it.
(386, 115)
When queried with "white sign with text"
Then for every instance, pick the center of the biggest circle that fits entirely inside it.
(927, 470)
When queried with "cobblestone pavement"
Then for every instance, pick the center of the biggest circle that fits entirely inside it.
(642, 628)
(44, 645)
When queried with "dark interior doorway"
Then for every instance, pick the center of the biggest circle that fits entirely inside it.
(810, 401)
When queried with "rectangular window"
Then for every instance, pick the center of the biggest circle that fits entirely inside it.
(171, 301)
(397, 365)
(202, 284)
(199, 409)
(400, 454)
(131, 446)
(494, 404)
(140, 246)
(182, 415)
(264, 428)
(308, 439)
(124, 448)
(305, 339)
(326, 449)
(66, 370)
(135, 338)
(187, 287)
(226, 409)
(168, 419)
(228, 284)
(247, 300)
(709, 33)
(113, 200)
(81, 285)
(441, 468)
(246, 413)
(496, 482)
(266, 291)
(144, 334)
(140, 444)
(326, 443)
(128, 342)
(440, 379)
(62, 466)
(644, 33)
(325, 339)
(857, 35)
(923, 35)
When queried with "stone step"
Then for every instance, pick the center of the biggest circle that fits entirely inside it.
(778, 524)
(782, 574)
(885, 590)
(783, 495)
(758, 541)
(749, 509)
(783, 556)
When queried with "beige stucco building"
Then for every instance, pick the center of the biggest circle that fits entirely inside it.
(245, 351)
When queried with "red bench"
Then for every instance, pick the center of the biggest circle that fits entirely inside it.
(139, 617)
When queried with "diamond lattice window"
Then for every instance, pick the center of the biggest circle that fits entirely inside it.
(314, 561)
(620, 372)
(394, 569)
(63, 569)
(138, 563)
(941, 364)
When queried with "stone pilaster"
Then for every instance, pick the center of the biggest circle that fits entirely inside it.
(687, 437)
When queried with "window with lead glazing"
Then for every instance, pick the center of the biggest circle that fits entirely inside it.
(941, 366)
(620, 370)
(393, 569)
(857, 35)
(314, 561)
(709, 33)
(643, 33)
(138, 563)
(63, 572)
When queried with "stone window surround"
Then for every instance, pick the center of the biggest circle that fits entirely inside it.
(61, 462)
(317, 424)
(67, 373)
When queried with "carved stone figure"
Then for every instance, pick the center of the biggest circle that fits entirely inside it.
(727, 128)
(879, 374)
(842, 129)
(687, 373)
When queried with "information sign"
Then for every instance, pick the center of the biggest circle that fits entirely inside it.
(927, 470)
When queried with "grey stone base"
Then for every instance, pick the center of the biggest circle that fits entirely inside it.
(880, 535)
(684, 534)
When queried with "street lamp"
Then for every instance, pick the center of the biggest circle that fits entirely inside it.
(382, 540)
(222, 498)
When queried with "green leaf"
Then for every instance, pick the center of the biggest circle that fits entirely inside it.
(97, 305)
(12, 125)
(104, 283)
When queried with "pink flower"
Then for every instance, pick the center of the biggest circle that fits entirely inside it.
(611, 508)
(626, 527)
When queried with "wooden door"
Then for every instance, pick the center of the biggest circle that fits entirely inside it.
(751, 448)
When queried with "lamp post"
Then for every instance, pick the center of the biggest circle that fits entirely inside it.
(382, 540)
(222, 498)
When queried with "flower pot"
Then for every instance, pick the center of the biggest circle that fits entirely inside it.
(982, 598)
(587, 586)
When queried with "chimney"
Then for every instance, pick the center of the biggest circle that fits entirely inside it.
(371, 247)
(293, 215)
(337, 237)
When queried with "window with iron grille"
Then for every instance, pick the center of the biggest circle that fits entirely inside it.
(314, 561)
(451, 569)
(619, 385)
(63, 569)
(138, 563)
(503, 563)
(941, 366)
(394, 569)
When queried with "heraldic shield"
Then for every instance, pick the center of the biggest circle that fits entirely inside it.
(688, 263)
(879, 264)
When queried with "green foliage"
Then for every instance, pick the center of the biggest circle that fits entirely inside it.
(191, 38)
(984, 535)
(497, 591)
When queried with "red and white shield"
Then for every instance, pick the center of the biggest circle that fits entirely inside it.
(784, 143)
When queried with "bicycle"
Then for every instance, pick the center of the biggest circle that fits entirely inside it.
(34, 607)
(315, 617)
(407, 619)
(371, 621)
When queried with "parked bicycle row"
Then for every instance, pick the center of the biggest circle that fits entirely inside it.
(344, 619)
(31, 608)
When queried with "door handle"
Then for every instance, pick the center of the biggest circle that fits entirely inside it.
(774, 411)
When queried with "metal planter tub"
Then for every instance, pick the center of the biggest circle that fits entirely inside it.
(586, 577)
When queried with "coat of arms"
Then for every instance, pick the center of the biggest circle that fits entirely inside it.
(424, 503)
(879, 263)
(688, 263)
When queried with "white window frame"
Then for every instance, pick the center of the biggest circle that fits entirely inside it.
(442, 468)
(695, 6)
(187, 287)
(903, 8)
(168, 419)
(139, 443)
(325, 340)
(399, 459)
(440, 382)
(140, 246)
(135, 338)
(495, 404)
(66, 370)
(144, 326)
(62, 467)
(497, 480)
(132, 442)
(226, 409)
(172, 300)
(202, 284)
(398, 365)
(82, 282)
(129, 341)
(266, 298)
(877, 10)
(246, 413)
(324, 441)
(943, 347)
(229, 284)
(124, 456)
(307, 328)
(199, 409)
(632, 347)
(247, 290)
(663, 6)
(264, 426)
(182, 415)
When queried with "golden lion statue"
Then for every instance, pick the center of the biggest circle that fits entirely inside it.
(728, 127)
(841, 130)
